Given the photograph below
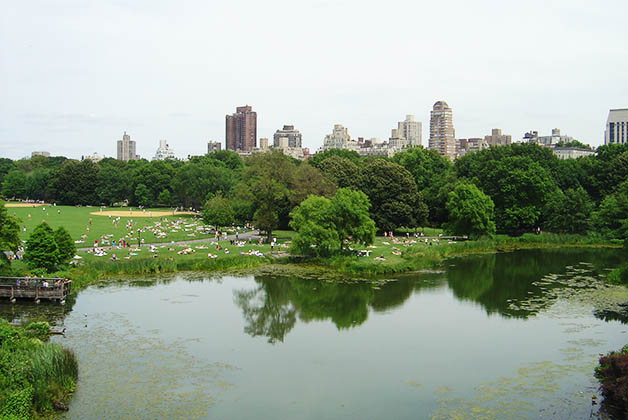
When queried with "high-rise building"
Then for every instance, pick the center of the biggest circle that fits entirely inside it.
(241, 130)
(126, 148)
(164, 151)
(497, 138)
(410, 130)
(263, 144)
(396, 140)
(442, 133)
(338, 139)
(288, 132)
(213, 146)
(616, 126)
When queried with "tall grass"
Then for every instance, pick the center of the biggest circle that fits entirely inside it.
(99, 270)
(36, 376)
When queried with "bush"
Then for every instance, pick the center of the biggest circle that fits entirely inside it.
(612, 373)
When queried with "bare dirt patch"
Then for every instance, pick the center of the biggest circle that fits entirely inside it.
(22, 205)
(138, 213)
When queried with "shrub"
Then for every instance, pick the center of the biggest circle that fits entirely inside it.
(612, 373)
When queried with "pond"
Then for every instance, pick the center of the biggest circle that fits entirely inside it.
(505, 336)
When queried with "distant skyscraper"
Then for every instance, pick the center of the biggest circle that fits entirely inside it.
(497, 138)
(410, 130)
(442, 133)
(616, 126)
(164, 151)
(241, 130)
(288, 132)
(213, 146)
(126, 148)
(263, 144)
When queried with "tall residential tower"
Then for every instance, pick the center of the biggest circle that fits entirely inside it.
(241, 130)
(616, 126)
(126, 148)
(442, 133)
(410, 130)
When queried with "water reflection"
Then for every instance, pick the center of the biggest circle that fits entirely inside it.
(517, 284)
(497, 281)
(26, 310)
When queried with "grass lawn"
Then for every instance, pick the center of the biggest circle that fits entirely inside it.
(77, 221)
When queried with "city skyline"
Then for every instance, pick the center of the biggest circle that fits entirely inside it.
(73, 76)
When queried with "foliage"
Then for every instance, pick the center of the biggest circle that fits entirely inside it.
(393, 195)
(74, 181)
(164, 198)
(427, 166)
(309, 181)
(323, 225)
(341, 171)
(568, 212)
(142, 195)
(314, 223)
(218, 211)
(320, 157)
(41, 248)
(612, 372)
(470, 212)
(14, 184)
(611, 218)
(65, 244)
(35, 375)
(9, 237)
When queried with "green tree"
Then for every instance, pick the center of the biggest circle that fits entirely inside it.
(164, 198)
(142, 195)
(341, 171)
(320, 157)
(470, 212)
(350, 212)
(314, 223)
(309, 181)
(393, 195)
(41, 249)
(65, 244)
(75, 182)
(269, 195)
(568, 212)
(113, 183)
(9, 237)
(218, 211)
(611, 218)
(14, 184)
(323, 225)
(200, 177)
(519, 188)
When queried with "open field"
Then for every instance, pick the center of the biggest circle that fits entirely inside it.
(86, 228)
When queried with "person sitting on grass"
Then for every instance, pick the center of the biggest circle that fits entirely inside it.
(113, 257)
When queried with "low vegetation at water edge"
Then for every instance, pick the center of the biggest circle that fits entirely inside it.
(36, 377)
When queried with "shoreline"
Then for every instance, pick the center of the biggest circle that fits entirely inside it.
(337, 267)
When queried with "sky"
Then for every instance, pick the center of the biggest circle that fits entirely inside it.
(76, 74)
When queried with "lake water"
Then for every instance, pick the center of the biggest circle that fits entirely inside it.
(506, 336)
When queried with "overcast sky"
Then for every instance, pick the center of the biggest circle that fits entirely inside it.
(76, 74)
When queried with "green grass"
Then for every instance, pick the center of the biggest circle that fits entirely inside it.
(76, 221)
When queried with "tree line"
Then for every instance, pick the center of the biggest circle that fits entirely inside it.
(506, 189)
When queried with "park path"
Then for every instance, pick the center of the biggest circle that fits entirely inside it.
(253, 234)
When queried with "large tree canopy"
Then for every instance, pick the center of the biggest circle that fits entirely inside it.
(393, 195)
(470, 212)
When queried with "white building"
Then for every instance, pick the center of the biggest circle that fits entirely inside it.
(94, 157)
(549, 141)
(164, 151)
(571, 152)
(339, 139)
(126, 148)
(410, 130)
(616, 126)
